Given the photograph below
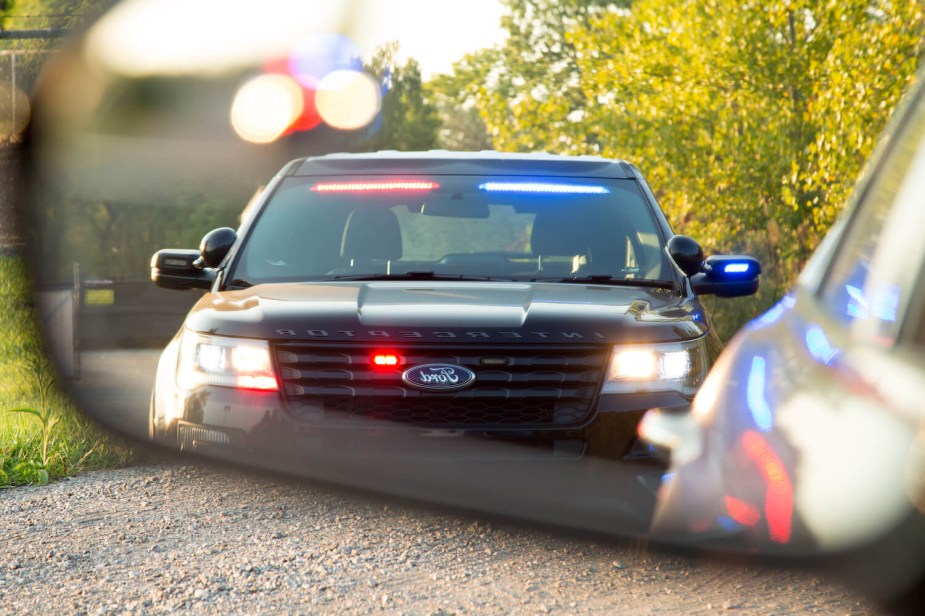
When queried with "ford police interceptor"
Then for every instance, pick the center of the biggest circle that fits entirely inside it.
(535, 299)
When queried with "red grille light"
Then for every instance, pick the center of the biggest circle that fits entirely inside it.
(384, 360)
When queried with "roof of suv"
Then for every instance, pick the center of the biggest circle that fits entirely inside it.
(486, 162)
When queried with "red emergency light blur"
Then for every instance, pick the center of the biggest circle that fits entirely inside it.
(383, 186)
(385, 360)
(778, 502)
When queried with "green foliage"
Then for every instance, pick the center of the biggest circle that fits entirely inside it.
(460, 98)
(48, 14)
(39, 370)
(29, 472)
(527, 91)
(43, 441)
(751, 121)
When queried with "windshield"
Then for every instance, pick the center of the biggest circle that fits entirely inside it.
(511, 228)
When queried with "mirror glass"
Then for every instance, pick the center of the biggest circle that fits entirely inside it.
(138, 146)
(424, 326)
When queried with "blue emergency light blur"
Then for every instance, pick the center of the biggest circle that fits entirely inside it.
(731, 268)
(735, 268)
(551, 188)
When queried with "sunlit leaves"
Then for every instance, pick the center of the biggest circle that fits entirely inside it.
(752, 120)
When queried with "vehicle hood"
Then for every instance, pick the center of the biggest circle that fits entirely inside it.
(437, 311)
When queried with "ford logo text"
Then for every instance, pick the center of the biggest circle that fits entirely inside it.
(438, 377)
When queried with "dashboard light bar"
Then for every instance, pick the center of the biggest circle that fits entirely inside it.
(552, 188)
(384, 186)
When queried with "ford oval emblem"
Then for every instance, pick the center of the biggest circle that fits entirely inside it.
(438, 377)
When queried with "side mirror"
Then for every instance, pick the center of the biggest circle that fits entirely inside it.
(178, 269)
(215, 245)
(686, 253)
(727, 276)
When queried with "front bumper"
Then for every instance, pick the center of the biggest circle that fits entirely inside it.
(225, 418)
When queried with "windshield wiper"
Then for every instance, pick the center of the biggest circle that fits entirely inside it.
(413, 276)
(611, 280)
(241, 284)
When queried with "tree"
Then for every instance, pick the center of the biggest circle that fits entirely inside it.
(407, 120)
(457, 97)
(750, 120)
(753, 122)
(527, 91)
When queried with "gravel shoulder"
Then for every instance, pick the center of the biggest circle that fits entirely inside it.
(174, 538)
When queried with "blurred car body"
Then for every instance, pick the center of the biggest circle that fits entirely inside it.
(807, 436)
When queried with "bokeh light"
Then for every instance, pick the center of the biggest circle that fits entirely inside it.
(347, 99)
(265, 107)
(313, 58)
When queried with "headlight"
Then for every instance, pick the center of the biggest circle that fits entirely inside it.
(226, 362)
(679, 367)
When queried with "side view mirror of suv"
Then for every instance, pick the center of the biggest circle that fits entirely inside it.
(720, 275)
(187, 268)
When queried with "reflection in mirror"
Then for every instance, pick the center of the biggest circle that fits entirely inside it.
(477, 329)
(344, 329)
(140, 147)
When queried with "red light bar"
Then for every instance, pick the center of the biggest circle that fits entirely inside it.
(384, 186)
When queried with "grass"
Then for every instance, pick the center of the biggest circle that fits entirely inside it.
(48, 438)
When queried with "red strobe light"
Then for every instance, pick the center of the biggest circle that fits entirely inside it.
(385, 360)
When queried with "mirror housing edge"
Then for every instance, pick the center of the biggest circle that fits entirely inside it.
(215, 246)
(686, 254)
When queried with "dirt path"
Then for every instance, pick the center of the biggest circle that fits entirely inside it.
(168, 538)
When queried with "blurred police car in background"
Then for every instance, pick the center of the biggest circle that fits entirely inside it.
(807, 436)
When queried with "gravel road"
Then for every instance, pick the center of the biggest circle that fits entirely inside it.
(173, 538)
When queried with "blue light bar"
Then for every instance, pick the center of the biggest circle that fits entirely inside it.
(735, 268)
(551, 188)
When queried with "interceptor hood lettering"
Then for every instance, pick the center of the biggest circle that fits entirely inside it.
(440, 311)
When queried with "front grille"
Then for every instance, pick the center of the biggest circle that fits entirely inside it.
(529, 386)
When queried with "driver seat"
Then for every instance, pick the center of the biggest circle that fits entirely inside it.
(371, 240)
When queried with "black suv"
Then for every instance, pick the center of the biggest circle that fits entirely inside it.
(530, 298)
